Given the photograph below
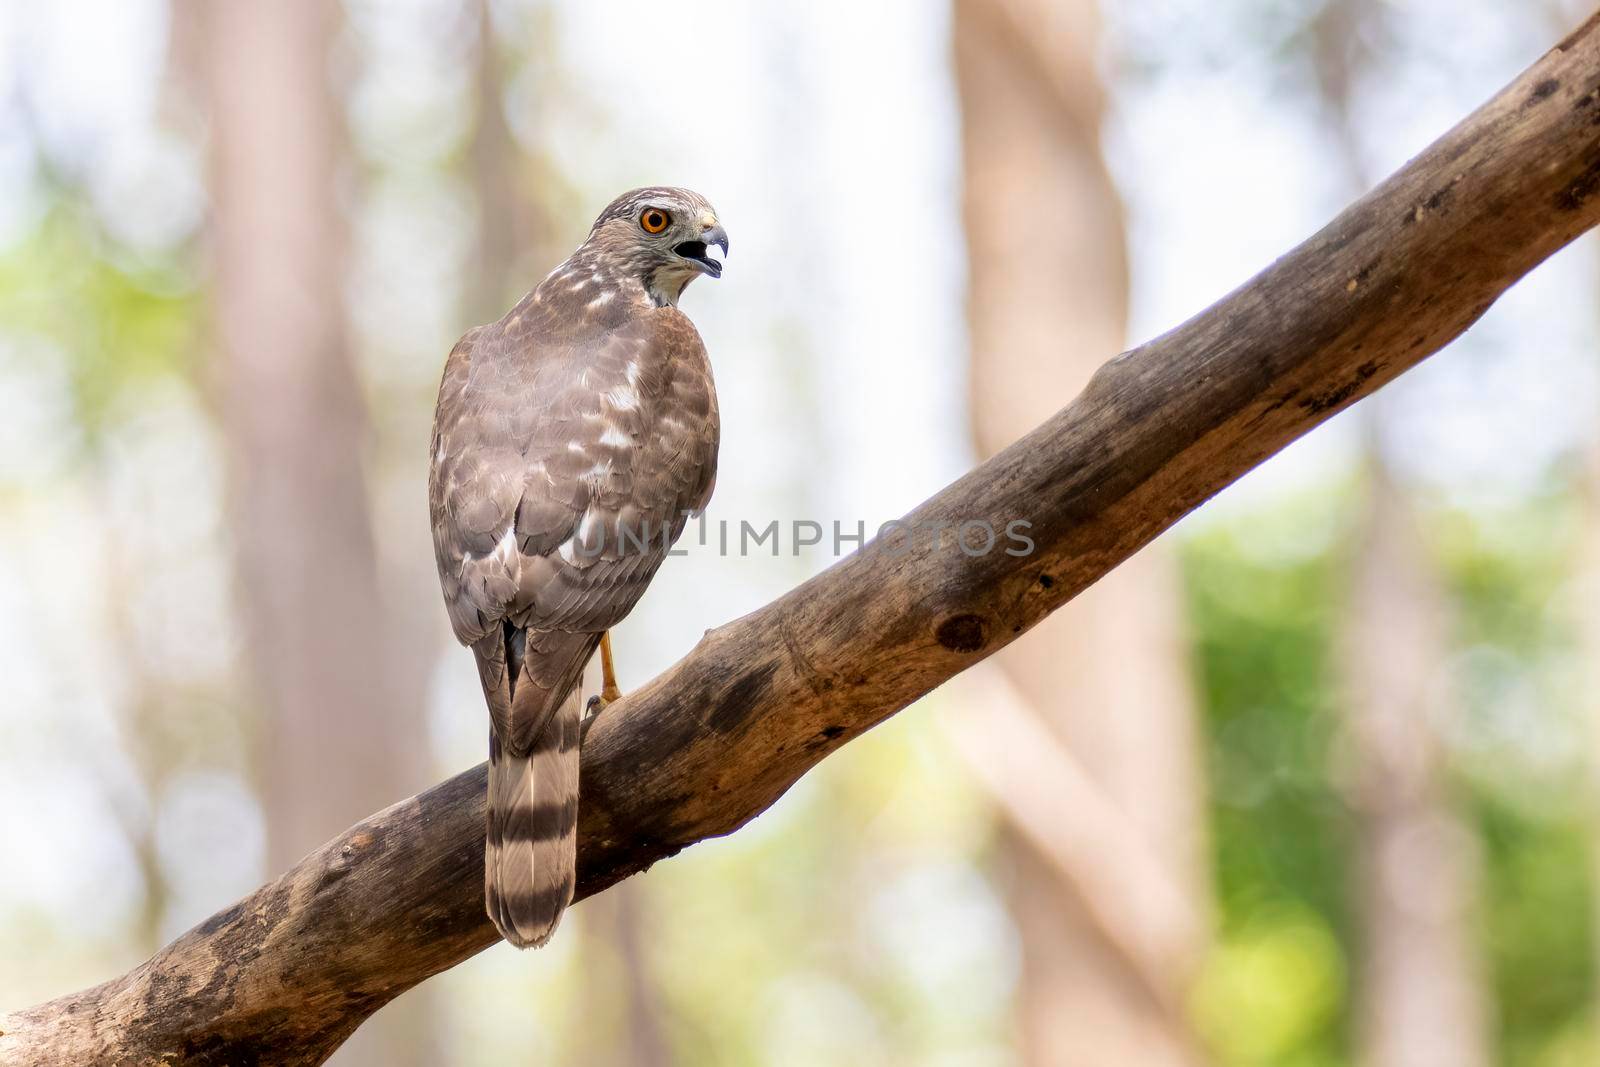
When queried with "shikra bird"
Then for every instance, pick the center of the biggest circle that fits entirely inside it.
(571, 441)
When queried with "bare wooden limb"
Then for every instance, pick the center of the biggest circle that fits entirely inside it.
(286, 974)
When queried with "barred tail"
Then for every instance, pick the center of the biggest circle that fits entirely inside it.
(530, 853)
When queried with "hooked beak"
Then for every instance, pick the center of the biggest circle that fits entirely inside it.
(700, 252)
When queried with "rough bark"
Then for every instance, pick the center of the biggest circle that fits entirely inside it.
(1106, 675)
(287, 973)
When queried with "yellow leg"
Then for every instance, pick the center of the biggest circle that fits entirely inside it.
(608, 673)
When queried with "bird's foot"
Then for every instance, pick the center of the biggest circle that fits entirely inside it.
(599, 702)
(608, 680)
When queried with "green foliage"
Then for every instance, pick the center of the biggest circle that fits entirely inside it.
(1261, 621)
(1520, 745)
(1537, 911)
(1273, 989)
(115, 317)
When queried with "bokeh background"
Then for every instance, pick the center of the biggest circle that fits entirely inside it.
(1311, 781)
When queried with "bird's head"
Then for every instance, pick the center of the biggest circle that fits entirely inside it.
(664, 237)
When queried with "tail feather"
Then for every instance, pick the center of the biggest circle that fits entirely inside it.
(530, 852)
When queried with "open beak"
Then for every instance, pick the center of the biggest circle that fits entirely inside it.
(708, 252)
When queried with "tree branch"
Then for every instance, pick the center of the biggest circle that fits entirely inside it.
(286, 974)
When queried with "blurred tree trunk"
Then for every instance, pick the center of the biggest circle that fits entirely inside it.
(1047, 305)
(1421, 999)
(145, 698)
(504, 225)
(647, 1038)
(619, 1012)
(340, 729)
(517, 187)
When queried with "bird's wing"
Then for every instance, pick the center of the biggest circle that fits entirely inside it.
(635, 457)
(562, 472)
(475, 479)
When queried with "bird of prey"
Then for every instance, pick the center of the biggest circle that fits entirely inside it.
(571, 441)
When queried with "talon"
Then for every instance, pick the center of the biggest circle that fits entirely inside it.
(600, 701)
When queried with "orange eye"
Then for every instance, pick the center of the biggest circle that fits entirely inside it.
(654, 220)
